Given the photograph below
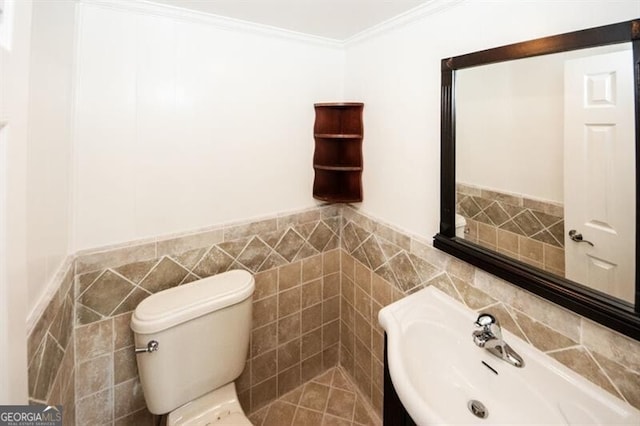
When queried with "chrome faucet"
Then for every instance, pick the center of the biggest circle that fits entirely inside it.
(489, 336)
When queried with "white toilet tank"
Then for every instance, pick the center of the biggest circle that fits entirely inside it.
(202, 329)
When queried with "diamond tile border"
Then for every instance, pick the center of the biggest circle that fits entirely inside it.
(170, 245)
(118, 290)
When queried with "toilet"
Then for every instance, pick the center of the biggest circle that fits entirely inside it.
(461, 226)
(191, 344)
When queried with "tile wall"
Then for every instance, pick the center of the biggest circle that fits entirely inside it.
(50, 349)
(321, 277)
(296, 263)
(523, 228)
(381, 265)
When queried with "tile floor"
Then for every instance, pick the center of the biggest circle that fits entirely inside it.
(329, 399)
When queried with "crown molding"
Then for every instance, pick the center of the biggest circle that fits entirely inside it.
(223, 22)
(431, 7)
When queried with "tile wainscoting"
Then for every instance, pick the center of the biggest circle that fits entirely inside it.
(321, 275)
(381, 264)
(50, 349)
(525, 229)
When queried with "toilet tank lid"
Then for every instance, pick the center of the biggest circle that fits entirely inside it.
(176, 305)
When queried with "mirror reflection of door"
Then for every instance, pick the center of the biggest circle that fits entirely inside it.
(526, 176)
(599, 185)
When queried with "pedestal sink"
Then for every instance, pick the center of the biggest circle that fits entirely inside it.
(443, 378)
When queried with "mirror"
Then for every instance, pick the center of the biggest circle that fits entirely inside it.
(539, 152)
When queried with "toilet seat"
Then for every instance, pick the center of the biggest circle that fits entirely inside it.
(220, 407)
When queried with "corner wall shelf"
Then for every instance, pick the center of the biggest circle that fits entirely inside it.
(337, 159)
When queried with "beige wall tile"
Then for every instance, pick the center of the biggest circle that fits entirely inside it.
(348, 289)
(263, 393)
(88, 262)
(531, 249)
(311, 293)
(380, 290)
(96, 409)
(183, 243)
(311, 318)
(553, 258)
(363, 277)
(311, 343)
(128, 398)
(507, 241)
(331, 285)
(288, 355)
(579, 360)
(330, 356)
(612, 345)
(94, 375)
(330, 334)
(363, 304)
(94, 339)
(312, 268)
(487, 234)
(263, 367)
(289, 276)
(625, 380)
(265, 311)
(311, 367)
(266, 284)
(289, 328)
(289, 301)
(264, 339)
(331, 309)
(123, 336)
(289, 380)
(244, 230)
(243, 383)
(348, 265)
(331, 262)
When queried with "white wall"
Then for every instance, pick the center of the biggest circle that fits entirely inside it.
(397, 76)
(49, 146)
(182, 125)
(14, 91)
(510, 125)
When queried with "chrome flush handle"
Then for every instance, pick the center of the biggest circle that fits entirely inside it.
(152, 346)
(573, 234)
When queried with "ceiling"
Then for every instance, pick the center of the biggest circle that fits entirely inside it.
(335, 19)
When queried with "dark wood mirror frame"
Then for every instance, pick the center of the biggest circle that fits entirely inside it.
(598, 307)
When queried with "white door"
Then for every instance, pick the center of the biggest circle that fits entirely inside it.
(599, 182)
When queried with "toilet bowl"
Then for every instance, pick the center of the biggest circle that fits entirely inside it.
(220, 407)
(191, 344)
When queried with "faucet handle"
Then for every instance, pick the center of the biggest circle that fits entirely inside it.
(490, 325)
(486, 321)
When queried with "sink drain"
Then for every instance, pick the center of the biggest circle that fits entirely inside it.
(478, 409)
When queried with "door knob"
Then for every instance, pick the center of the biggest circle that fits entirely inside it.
(573, 234)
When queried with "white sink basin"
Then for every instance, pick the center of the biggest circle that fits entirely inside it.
(436, 370)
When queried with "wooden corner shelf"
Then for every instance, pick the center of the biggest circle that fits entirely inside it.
(337, 159)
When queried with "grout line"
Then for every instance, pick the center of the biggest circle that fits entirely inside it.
(553, 351)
